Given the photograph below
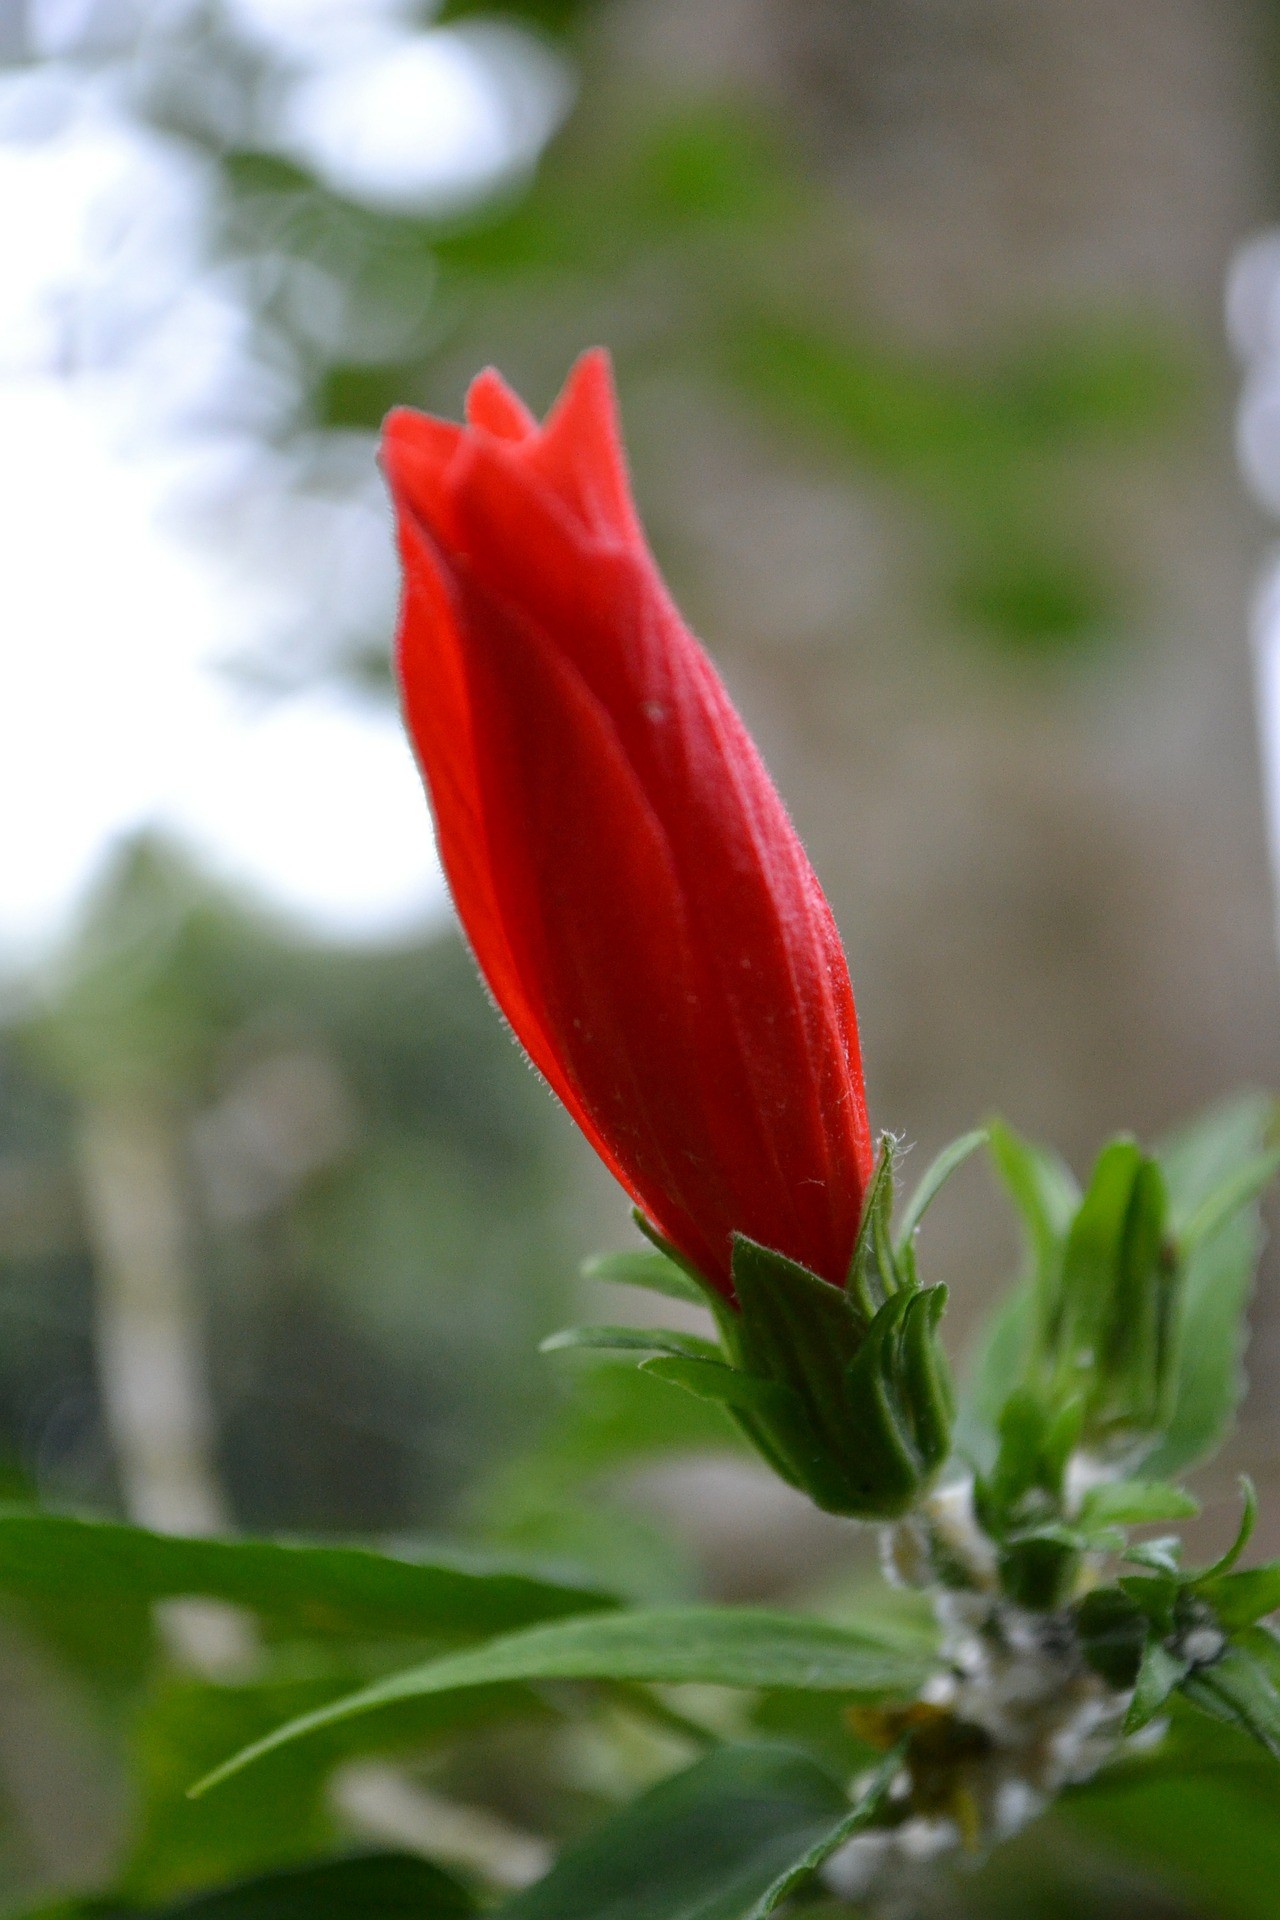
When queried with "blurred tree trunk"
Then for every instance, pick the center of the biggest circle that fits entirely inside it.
(1052, 877)
(151, 1350)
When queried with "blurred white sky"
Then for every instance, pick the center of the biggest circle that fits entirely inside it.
(115, 707)
(1253, 327)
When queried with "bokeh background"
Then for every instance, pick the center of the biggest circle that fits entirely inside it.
(948, 340)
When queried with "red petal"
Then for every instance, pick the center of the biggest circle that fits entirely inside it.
(438, 714)
(580, 453)
(633, 888)
(492, 406)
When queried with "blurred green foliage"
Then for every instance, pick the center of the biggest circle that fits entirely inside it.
(375, 1184)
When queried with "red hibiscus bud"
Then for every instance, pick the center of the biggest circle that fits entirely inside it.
(632, 888)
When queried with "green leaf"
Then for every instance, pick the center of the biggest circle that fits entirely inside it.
(1201, 1155)
(716, 1646)
(1244, 1532)
(1114, 1631)
(359, 1886)
(997, 1364)
(310, 1590)
(645, 1267)
(1160, 1672)
(280, 1814)
(1209, 1376)
(1046, 1196)
(390, 1886)
(1200, 1817)
(1238, 1599)
(186, 1725)
(1239, 1688)
(1044, 1191)
(1238, 1190)
(726, 1386)
(1162, 1556)
(684, 1346)
(872, 1276)
(721, 1309)
(934, 1179)
(1135, 1503)
(1077, 1318)
(728, 1839)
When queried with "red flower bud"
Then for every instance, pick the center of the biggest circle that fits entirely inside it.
(633, 890)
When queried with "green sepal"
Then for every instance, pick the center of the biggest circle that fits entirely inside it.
(844, 1390)
(873, 1271)
(800, 1333)
(873, 1400)
(900, 1399)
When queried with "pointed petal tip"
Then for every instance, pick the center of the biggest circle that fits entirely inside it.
(415, 452)
(494, 407)
(591, 386)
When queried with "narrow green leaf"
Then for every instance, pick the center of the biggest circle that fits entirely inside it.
(728, 1839)
(359, 1886)
(1114, 1632)
(1162, 1556)
(1200, 1816)
(997, 1364)
(713, 1380)
(722, 1310)
(685, 1346)
(856, 1820)
(313, 1590)
(392, 1886)
(1160, 1672)
(1201, 1155)
(717, 1646)
(1238, 1688)
(1136, 1503)
(1041, 1187)
(1239, 1599)
(278, 1815)
(934, 1179)
(1076, 1320)
(1239, 1189)
(642, 1267)
(1218, 1280)
(876, 1206)
(1244, 1532)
